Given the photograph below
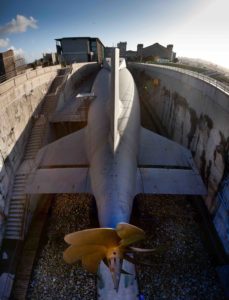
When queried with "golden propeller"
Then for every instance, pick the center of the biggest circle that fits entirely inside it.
(91, 246)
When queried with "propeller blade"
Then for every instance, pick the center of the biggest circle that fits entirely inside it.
(91, 262)
(135, 262)
(96, 236)
(74, 253)
(158, 249)
(129, 233)
(125, 272)
(141, 250)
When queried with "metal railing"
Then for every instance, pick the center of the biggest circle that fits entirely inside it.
(28, 75)
(219, 85)
(8, 75)
(25, 216)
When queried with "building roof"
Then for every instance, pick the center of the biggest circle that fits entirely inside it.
(131, 51)
(80, 38)
(156, 50)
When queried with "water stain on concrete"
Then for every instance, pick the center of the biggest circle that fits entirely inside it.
(205, 122)
(176, 113)
(223, 149)
(193, 121)
(208, 171)
(203, 164)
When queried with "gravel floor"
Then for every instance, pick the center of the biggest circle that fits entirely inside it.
(52, 278)
(182, 271)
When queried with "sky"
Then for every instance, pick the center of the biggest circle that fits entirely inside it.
(196, 28)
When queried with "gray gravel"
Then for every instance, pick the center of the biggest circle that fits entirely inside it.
(52, 278)
(184, 269)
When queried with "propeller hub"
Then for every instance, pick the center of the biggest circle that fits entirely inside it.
(115, 259)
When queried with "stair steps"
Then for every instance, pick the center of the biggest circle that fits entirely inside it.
(16, 215)
(15, 220)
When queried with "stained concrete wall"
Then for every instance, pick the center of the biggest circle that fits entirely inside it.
(19, 99)
(195, 114)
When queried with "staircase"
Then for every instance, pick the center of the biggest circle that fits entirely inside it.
(56, 83)
(49, 105)
(19, 204)
(35, 141)
(15, 221)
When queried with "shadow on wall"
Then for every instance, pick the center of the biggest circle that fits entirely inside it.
(9, 164)
(171, 107)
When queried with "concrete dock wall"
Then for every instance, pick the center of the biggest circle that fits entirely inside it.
(195, 113)
(19, 99)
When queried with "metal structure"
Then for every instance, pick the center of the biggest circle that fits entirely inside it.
(114, 158)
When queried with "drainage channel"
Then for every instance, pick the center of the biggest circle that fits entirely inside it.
(181, 268)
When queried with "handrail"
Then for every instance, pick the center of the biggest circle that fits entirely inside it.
(25, 216)
(219, 85)
(8, 76)
(26, 73)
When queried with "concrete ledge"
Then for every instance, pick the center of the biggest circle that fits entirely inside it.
(32, 74)
(6, 86)
(21, 79)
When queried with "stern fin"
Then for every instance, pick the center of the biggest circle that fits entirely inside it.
(115, 97)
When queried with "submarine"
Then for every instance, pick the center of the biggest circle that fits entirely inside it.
(114, 158)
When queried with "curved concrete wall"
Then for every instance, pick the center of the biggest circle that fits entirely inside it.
(193, 113)
(79, 74)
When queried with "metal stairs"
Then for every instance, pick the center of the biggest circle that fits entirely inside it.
(35, 141)
(49, 105)
(17, 208)
(57, 82)
(19, 204)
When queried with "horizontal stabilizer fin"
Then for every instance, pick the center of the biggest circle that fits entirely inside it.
(165, 167)
(67, 151)
(156, 150)
(58, 181)
(115, 97)
(170, 181)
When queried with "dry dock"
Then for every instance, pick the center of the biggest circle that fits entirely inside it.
(183, 269)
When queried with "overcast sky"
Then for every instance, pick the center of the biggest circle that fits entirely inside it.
(197, 28)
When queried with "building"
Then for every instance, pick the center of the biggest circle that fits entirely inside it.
(131, 55)
(155, 52)
(108, 51)
(79, 49)
(7, 65)
(122, 47)
(139, 50)
(49, 59)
